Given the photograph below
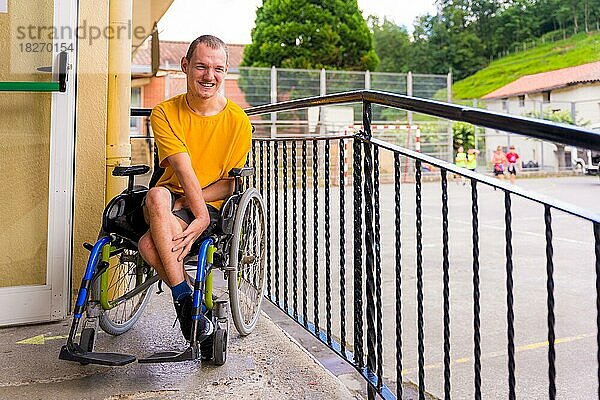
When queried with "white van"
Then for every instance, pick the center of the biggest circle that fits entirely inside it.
(585, 161)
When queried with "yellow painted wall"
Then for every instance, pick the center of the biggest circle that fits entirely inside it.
(24, 140)
(91, 139)
(24, 143)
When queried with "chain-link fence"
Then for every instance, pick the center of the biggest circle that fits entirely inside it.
(260, 86)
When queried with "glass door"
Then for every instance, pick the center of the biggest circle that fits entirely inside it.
(37, 130)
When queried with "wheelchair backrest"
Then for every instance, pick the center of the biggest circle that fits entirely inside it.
(124, 215)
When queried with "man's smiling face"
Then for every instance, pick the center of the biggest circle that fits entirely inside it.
(205, 71)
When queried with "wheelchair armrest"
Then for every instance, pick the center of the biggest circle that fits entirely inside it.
(241, 172)
(130, 170)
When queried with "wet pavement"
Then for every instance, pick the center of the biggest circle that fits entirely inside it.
(266, 364)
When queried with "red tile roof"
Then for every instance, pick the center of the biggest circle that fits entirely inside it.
(585, 73)
(171, 53)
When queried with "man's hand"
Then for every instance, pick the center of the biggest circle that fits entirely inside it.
(185, 240)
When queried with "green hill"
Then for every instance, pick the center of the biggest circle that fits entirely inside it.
(576, 50)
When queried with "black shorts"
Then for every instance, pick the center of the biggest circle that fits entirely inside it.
(186, 215)
(512, 169)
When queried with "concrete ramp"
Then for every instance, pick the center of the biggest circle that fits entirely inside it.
(264, 365)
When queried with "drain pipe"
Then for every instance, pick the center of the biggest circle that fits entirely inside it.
(118, 148)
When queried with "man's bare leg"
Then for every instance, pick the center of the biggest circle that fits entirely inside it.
(150, 255)
(158, 251)
(156, 246)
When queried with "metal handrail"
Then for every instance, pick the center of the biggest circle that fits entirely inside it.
(491, 181)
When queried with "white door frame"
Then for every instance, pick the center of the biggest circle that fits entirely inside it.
(40, 303)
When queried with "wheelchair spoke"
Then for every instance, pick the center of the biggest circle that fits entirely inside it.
(248, 281)
(124, 276)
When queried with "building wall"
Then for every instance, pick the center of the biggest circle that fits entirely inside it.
(154, 92)
(584, 100)
(234, 93)
(90, 151)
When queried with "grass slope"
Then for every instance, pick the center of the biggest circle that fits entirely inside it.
(576, 50)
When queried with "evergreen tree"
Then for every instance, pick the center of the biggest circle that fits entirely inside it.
(311, 34)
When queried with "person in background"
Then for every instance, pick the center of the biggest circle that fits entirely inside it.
(472, 159)
(513, 163)
(499, 161)
(460, 161)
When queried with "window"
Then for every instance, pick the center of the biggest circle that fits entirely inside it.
(505, 104)
(546, 96)
(136, 101)
(522, 100)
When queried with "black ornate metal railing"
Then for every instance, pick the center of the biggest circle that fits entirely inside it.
(393, 275)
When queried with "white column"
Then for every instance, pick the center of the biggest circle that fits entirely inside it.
(322, 92)
(409, 92)
(273, 100)
(450, 135)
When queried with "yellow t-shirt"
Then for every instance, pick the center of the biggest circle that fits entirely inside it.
(471, 161)
(461, 160)
(215, 144)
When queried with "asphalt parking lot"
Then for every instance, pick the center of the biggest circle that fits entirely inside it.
(574, 276)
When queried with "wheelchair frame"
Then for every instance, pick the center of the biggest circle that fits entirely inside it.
(221, 251)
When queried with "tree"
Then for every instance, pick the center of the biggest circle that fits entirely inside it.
(422, 51)
(453, 40)
(392, 45)
(311, 34)
(516, 24)
(463, 134)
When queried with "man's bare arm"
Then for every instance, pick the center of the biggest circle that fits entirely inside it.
(218, 190)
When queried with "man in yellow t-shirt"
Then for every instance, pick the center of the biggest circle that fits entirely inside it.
(200, 136)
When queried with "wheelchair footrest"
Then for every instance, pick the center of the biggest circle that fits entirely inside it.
(171, 356)
(86, 357)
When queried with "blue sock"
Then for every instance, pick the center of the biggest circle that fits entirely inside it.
(181, 290)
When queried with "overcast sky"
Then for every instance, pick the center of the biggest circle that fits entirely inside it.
(232, 20)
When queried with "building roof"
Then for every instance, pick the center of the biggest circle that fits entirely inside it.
(171, 53)
(585, 73)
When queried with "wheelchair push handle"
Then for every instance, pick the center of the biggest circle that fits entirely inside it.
(241, 172)
(238, 174)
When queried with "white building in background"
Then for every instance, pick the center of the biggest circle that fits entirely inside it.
(574, 90)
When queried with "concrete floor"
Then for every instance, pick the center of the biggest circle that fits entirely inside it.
(265, 364)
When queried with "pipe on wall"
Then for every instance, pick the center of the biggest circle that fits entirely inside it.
(118, 147)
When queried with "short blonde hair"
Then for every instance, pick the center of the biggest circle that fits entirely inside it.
(211, 41)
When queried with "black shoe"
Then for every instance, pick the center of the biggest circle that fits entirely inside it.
(184, 310)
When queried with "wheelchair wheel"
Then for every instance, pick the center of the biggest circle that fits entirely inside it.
(127, 270)
(87, 338)
(86, 341)
(220, 347)
(247, 282)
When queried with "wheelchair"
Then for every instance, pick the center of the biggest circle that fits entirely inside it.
(117, 283)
